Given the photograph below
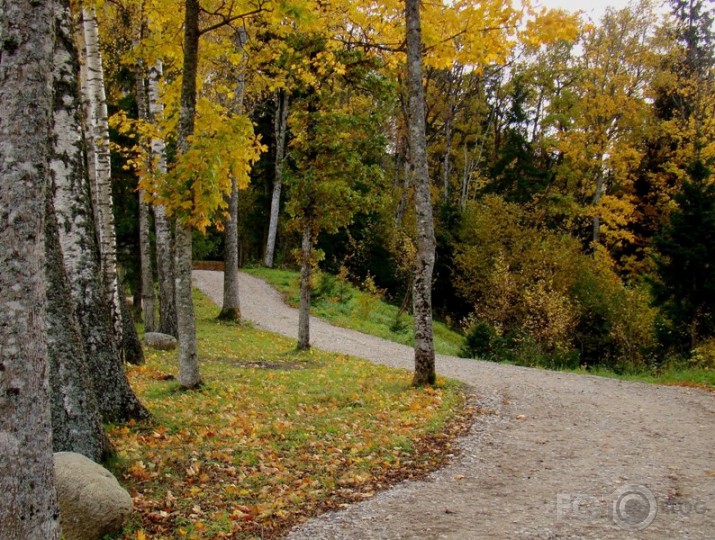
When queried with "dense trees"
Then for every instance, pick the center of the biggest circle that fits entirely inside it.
(551, 178)
(566, 138)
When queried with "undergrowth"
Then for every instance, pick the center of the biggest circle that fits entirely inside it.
(361, 309)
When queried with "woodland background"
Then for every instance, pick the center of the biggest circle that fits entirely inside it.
(570, 163)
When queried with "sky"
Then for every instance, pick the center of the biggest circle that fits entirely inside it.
(593, 8)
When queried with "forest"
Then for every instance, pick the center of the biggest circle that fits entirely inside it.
(569, 163)
(538, 182)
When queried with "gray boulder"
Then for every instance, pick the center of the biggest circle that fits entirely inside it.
(159, 341)
(92, 503)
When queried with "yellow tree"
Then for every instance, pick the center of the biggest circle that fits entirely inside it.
(602, 144)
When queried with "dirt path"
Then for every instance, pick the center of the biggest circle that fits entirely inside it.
(553, 455)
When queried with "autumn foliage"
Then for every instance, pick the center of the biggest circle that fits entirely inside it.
(273, 437)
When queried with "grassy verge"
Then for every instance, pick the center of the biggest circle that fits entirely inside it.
(352, 308)
(274, 436)
(670, 375)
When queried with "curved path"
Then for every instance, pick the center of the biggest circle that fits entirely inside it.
(551, 455)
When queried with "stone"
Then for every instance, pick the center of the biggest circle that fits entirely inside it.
(92, 503)
(159, 341)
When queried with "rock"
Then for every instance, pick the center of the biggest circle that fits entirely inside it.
(159, 341)
(92, 503)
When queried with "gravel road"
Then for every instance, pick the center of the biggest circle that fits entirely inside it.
(552, 455)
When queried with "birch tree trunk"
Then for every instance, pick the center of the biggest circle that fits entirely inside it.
(422, 296)
(188, 360)
(147, 271)
(231, 310)
(305, 272)
(28, 505)
(99, 158)
(97, 136)
(280, 129)
(78, 240)
(164, 235)
(76, 420)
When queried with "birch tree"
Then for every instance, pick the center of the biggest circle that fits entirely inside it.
(97, 135)
(28, 505)
(280, 130)
(76, 419)
(78, 240)
(145, 252)
(163, 224)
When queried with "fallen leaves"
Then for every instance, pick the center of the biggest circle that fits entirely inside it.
(256, 451)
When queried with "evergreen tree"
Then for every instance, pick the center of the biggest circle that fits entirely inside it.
(686, 262)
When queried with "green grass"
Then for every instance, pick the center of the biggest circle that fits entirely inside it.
(272, 436)
(670, 375)
(359, 310)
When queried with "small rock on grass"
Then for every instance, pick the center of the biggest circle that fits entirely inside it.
(159, 341)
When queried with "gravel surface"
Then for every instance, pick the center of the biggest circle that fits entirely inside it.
(551, 455)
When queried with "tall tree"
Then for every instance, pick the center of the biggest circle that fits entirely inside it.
(28, 505)
(230, 310)
(76, 419)
(686, 256)
(422, 296)
(164, 224)
(188, 359)
(78, 239)
(145, 252)
(280, 130)
(97, 137)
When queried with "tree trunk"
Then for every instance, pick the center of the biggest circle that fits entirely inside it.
(189, 376)
(28, 505)
(231, 310)
(280, 129)
(164, 235)
(133, 351)
(165, 254)
(598, 193)
(97, 136)
(78, 241)
(305, 272)
(188, 359)
(76, 419)
(147, 272)
(422, 296)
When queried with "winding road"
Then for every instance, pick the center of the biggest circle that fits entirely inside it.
(550, 455)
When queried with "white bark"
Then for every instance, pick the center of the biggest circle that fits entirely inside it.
(422, 295)
(98, 141)
(78, 240)
(76, 419)
(28, 505)
(147, 273)
(164, 236)
(280, 129)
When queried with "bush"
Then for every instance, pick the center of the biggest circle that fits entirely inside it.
(481, 341)
(332, 288)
